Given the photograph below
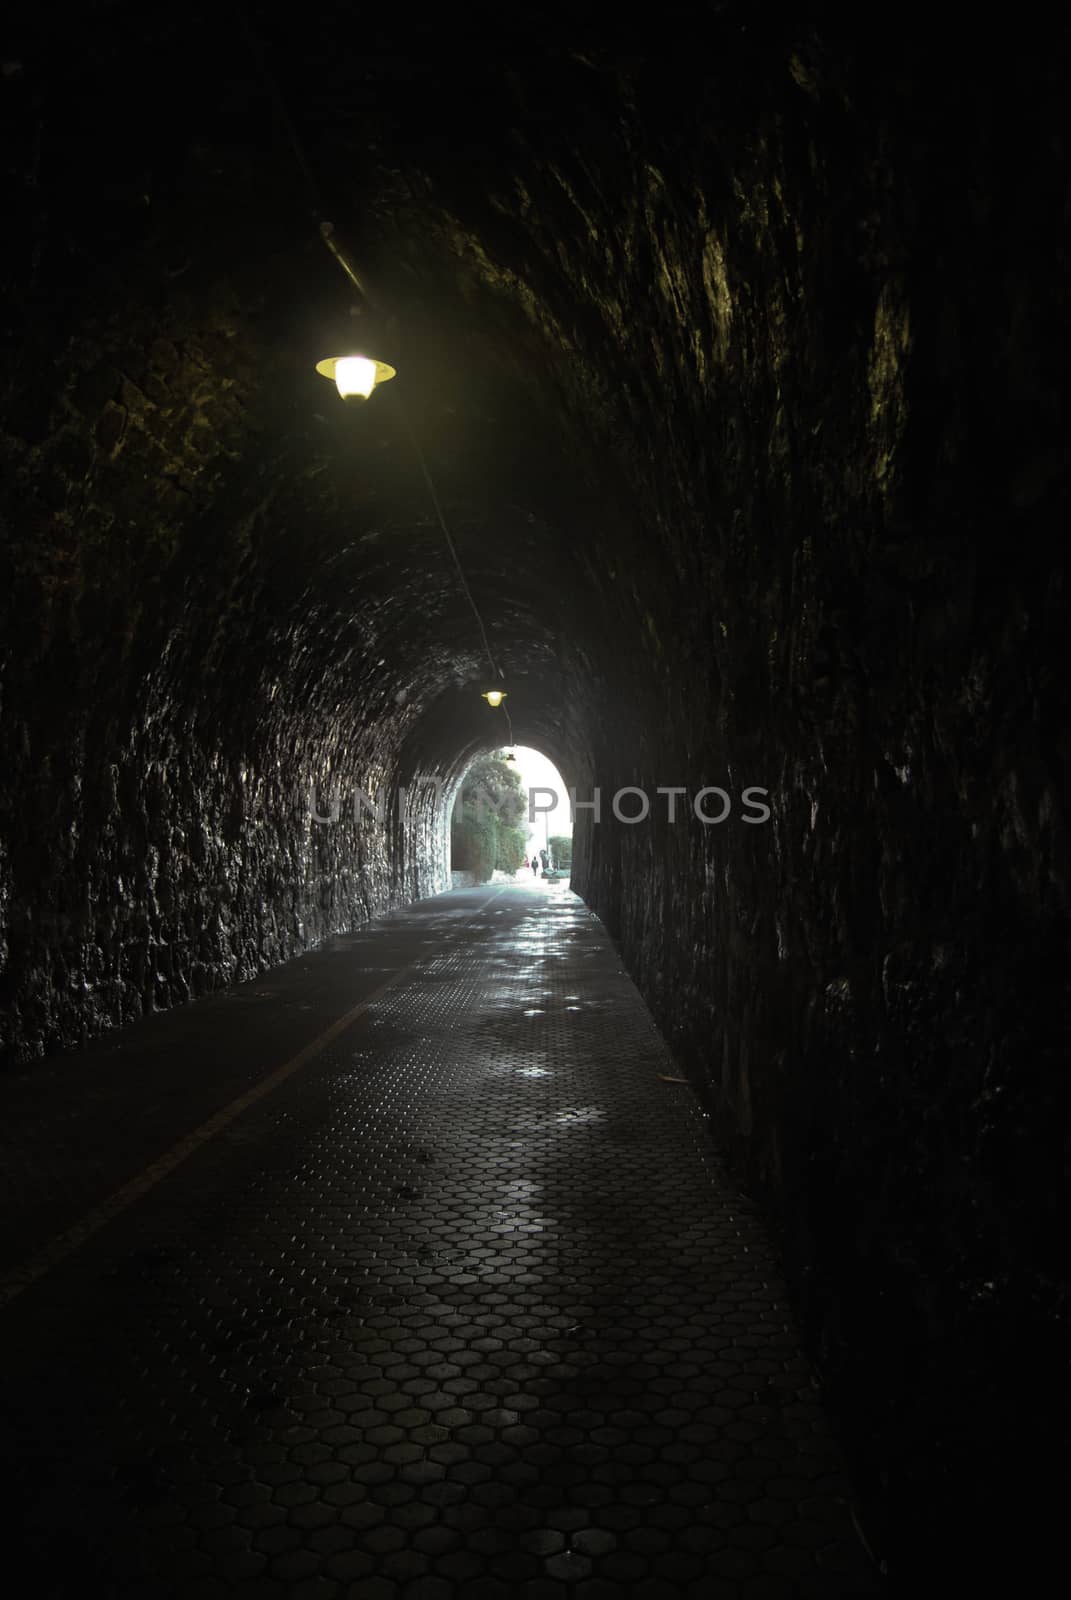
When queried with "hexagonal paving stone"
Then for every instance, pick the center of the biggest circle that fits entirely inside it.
(470, 1312)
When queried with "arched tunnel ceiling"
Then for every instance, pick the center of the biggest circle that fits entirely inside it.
(687, 336)
(548, 231)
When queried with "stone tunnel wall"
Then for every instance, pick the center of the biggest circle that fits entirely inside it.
(827, 413)
(871, 990)
(178, 701)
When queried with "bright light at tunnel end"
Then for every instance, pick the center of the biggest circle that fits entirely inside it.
(709, 805)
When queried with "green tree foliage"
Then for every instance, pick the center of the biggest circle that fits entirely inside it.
(510, 849)
(560, 846)
(486, 827)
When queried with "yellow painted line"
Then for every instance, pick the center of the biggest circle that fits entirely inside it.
(13, 1283)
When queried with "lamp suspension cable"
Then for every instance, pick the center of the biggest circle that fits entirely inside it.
(495, 670)
(327, 234)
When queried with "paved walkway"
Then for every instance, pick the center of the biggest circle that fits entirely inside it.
(457, 1304)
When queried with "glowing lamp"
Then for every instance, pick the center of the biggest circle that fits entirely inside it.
(494, 697)
(355, 376)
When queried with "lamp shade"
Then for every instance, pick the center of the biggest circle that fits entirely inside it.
(354, 375)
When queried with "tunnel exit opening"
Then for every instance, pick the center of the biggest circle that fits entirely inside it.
(510, 820)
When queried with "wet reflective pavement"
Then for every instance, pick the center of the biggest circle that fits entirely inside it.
(463, 1307)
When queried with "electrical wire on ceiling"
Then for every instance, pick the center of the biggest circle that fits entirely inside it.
(327, 234)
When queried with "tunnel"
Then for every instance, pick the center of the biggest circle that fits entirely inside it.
(728, 435)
